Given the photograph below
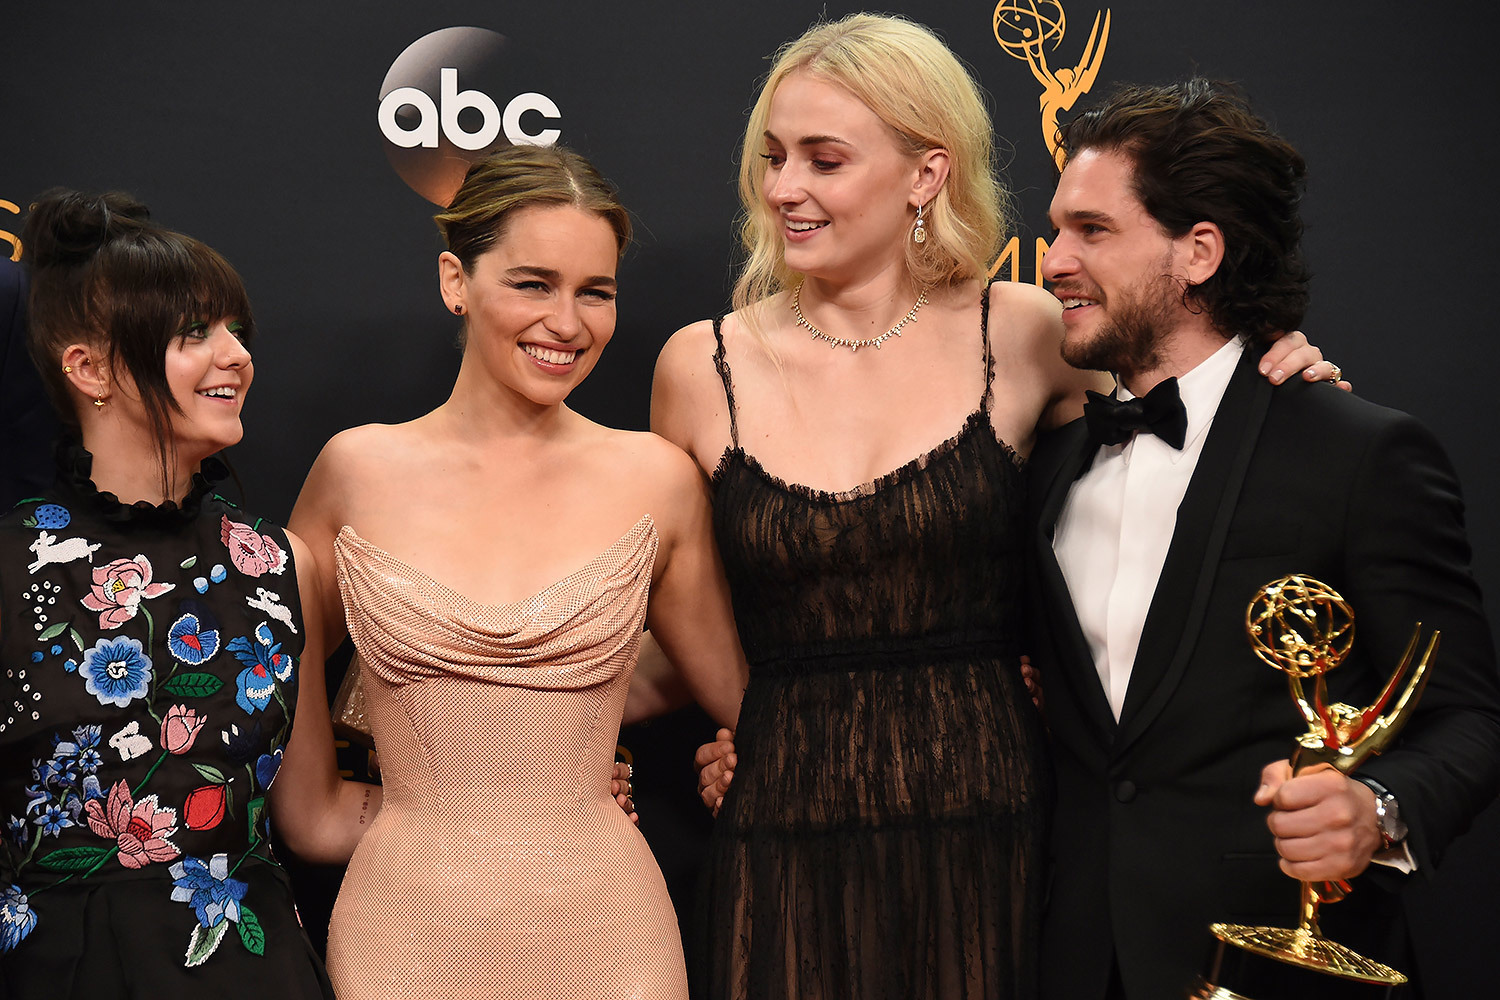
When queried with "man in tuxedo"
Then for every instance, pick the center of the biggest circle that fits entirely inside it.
(1160, 515)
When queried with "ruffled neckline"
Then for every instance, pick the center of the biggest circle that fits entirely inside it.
(75, 465)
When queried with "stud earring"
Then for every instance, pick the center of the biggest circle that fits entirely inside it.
(919, 231)
(458, 310)
(67, 369)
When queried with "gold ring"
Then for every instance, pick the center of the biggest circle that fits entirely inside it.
(1338, 373)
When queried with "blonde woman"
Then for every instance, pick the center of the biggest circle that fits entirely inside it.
(864, 416)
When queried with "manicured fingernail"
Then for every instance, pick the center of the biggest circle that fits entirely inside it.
(1278, 376)
(1265, 366)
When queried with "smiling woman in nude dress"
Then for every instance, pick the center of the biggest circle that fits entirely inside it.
(494, 559)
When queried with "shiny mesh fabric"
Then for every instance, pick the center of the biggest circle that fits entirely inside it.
(499, 864)
(883, 836)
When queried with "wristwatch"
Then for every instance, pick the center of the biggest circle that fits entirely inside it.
(1387, 815)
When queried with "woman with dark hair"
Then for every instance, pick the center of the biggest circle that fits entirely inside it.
(495, 558)
(151, 637)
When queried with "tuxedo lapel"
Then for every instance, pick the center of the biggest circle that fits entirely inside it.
(1181, 598)
(1074, 451)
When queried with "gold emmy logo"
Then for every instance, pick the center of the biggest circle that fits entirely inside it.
(1027, 30)
(15, 241)
(1024, 28)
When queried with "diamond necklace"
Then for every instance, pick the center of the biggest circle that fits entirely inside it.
(854, 345)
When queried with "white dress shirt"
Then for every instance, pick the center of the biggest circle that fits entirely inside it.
(1117, 521)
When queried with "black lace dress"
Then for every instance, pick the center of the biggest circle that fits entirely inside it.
(883, 835)
(149, 671)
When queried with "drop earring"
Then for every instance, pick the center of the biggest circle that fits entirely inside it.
(919, 231)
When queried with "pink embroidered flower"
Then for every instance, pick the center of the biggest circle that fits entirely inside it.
(118, 588)
(179, 730)
(139, 828)
(252, 553)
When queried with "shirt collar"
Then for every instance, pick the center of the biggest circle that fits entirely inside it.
(1201, 390)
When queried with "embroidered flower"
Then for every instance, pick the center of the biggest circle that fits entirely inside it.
(117, 671)
(263, 660)
(204, 808)
(192, 641)
(213, 895)
(179, 729)
(119, 587)
(17, 918)
(139, 828)
(266, 767)
(19, 832)
(255, 688)
(252, 553)
(54, 820)
(242, 747)
(83, 748)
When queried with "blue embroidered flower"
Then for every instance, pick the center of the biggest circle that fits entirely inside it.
(54, 820)
(214, 896)
(17, 919)
(78, 755)
(255, 688)
(36, 656)
(192, 640)
(70, 665)
(18, 830)
(266, 767)
(37, 797)
(117, 671)
(263, 658)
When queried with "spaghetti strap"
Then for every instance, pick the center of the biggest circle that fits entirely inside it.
(721, 362)
(989, 354)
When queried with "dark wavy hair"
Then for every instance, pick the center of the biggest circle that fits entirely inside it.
(1201, 155)
(104, 274)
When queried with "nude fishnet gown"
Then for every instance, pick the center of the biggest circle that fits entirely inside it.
(499, 864)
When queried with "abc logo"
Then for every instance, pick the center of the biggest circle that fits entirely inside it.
(437, 113)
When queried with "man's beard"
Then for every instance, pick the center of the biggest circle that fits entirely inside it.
(1135, 326)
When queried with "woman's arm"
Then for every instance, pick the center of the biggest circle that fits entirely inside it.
(689, 615)
(320, 815)
(656, 687)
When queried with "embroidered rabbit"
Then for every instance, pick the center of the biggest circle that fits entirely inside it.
(48, 550)
(268, 601)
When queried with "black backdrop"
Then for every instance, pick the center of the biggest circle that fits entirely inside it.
(254, 128)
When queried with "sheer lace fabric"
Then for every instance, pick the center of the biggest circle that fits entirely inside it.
(499, 864)
(883, 836)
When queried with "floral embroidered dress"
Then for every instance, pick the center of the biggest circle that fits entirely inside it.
(149, 672)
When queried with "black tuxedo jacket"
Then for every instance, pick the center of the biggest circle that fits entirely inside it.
(1155, 834)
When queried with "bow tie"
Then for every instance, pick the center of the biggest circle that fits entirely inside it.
(1159, 412)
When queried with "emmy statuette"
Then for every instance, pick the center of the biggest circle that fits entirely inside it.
(1303, 628)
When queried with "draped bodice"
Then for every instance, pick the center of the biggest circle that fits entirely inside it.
(450, 674)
